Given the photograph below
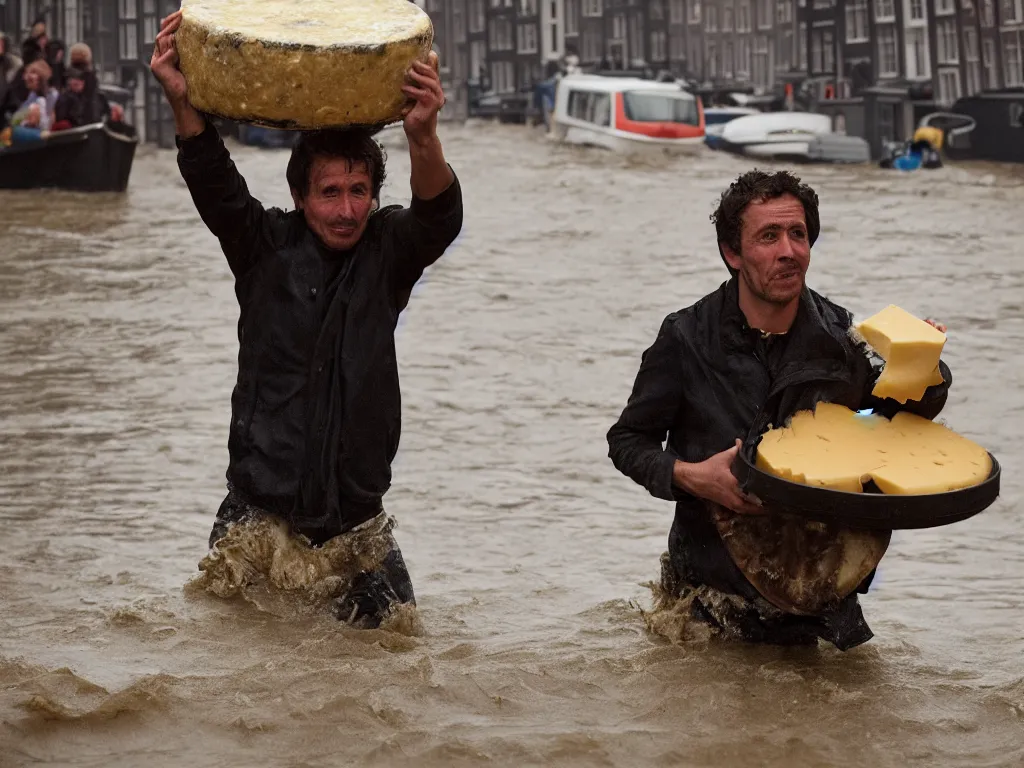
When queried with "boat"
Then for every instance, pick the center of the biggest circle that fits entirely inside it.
(90, 158)
(986, 126)
(792, 136)
(628, 114)
(715, 119)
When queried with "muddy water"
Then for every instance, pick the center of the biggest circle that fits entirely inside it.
(528, 551)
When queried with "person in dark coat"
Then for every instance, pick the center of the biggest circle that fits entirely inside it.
(316, 410)
(721, 372)
(72, 110)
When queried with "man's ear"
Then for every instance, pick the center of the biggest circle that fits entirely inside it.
(297, 199)
(732, 259)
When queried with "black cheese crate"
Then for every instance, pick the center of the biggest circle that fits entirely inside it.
(870, 509)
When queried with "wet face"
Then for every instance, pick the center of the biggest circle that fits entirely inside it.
(338, 202)
(774, 249)
(76, 85)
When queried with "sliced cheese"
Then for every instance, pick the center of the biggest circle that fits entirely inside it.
(305, 64)
(834, 447)
(911, 349)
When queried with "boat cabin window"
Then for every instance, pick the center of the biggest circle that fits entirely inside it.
(590, 107)
(717, 118)
(658, 108)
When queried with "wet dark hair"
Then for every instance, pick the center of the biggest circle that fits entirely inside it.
(356, 145)
(754, 187)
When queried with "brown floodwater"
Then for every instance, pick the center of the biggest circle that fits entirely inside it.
(528, 551)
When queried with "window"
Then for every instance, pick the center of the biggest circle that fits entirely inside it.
(988, 13)
(727, 18)
(458, 23)
(989, 64)
(572, 17)
(695, 11)
(801, 44)
(743, 16)
(917, 10)
(477, 16)
(503, 77)
(477, 59)
(527, 7)
(949, 86)
(973, 68)
(945, 6)
(728, 59)
(784, 61)
(1013, 74)
(828, 45)
(1011, 13)
(945, 42)
(656, 10)
(636, 40)
(784, 11)
(676, 12)
(659, 46)
(526, 38)
(677, 47)
(764, 14)
(711, 20)
(817, 61)
(885, 10)
(762, 75)
(918, 65)
(618, 27)
(592, 8)
(128, 30)
(743, 57)
(888, 64)
(856, 21)
(590, 107)
(655, 108)
(712, 59)
(593, 45)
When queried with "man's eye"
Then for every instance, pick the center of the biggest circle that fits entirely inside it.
(798, 234)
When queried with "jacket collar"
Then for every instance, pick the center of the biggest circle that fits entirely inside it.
(813, 341)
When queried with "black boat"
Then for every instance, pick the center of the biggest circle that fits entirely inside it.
(91, 158)
(986, 126)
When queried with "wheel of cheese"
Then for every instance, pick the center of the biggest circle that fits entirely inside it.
(301, 64)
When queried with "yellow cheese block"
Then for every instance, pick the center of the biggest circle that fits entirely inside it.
(911, 349)
(834, 447)
(301, 64)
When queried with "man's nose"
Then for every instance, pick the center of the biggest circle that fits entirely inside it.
(786, 248)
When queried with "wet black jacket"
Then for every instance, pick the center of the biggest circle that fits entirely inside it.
(316, 409)
(709, 379)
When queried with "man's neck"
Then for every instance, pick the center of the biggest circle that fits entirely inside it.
(765, 315)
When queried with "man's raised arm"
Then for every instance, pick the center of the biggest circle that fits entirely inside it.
(218, 190)
(434, 218)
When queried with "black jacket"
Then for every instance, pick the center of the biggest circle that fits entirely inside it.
(709, 379)
(316, 410)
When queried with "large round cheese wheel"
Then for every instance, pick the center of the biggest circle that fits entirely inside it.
(301, 64)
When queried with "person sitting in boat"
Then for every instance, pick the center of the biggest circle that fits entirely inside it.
(97, 108)
(748, 355)
(37, 81)
(72, 109)
(27, 124)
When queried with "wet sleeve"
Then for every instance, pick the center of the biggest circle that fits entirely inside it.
(221, 196)
(422, 233)
(636, 443)
(929, 406)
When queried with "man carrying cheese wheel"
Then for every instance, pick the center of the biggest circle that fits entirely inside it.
(749, 355)
(315, 412)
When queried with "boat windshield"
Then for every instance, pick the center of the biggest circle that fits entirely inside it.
(717, 118)
(660, 108)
